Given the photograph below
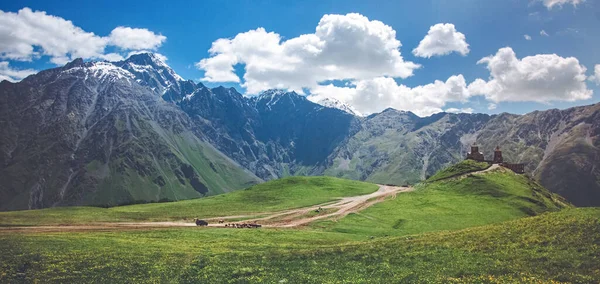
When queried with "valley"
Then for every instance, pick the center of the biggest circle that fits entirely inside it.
(283, 219)
(315, 141)
(447, 229)
(133, 131)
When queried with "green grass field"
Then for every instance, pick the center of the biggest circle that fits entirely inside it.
(286, 193)
(562, 246)
(495, 227)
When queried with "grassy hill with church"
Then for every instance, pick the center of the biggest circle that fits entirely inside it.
(454, 198)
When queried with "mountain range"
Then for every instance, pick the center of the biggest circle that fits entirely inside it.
(110, 133)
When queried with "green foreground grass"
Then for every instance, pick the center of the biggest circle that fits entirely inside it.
(471, 229)
(286, 193)
(562, 247)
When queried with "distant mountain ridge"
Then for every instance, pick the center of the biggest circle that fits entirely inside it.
(107, 133)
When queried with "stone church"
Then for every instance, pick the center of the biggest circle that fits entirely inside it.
(478, 156)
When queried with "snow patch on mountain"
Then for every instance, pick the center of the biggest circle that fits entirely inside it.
(188, 97)
(270, 94)
(103, 71)
(275, 95)
(159, 62)
(333, 103)
(152, 71)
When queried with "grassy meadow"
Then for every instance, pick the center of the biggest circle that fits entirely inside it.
(495, 227)
(553, 247)
(286, 193)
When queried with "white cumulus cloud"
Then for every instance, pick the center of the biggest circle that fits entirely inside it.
(596, 77)
(442, 39)
(13, 75)
(22, 32)
(538, 78)
(374, 95)
(343, 47)
(135, 39)
(543, 33)
(527, 37)
(552, 3)
(27, 35)
(459, 110)
(113, 57)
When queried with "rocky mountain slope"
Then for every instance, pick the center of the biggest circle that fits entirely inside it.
(119, 132)
(561, 148)
(399, 147)
(273, 135)
(96, 133)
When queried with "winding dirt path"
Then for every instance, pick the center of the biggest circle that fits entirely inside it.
(336, 210)
(282, 219)
(491, 168)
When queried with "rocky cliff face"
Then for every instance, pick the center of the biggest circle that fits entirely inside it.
(273, 135)
(400, 147)
(108, 133)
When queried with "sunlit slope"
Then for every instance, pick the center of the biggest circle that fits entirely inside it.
(271, 196)
(454, 203)
(464, 167)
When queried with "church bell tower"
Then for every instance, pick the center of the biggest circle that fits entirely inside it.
(498, 156)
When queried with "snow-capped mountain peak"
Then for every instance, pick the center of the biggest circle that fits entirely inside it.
(333, 103)
(150, 70)
(147, 60)
(270, 94)
(144, 69)
(271, 97)
(107, 70)
(101, 70)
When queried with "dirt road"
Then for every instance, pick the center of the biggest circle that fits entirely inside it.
(491, 168)
(283, 219)
(337, 210)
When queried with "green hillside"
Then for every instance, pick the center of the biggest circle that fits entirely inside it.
(192, 169)
(286, 193)
(461, 168)
(451, 204)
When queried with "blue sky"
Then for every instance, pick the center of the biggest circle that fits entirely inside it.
(191, 28)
